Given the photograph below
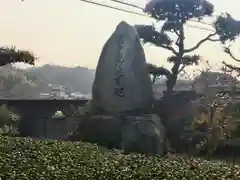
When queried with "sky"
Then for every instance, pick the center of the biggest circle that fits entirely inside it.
(72, 33)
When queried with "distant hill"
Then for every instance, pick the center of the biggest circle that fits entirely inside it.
(80, 79)
(31, 81)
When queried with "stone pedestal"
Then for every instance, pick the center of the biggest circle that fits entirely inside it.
(143, 134)
(140, 134)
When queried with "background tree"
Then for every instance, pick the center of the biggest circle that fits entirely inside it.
(175, 14)
(14, 83)
(228, 29)
(13, 55)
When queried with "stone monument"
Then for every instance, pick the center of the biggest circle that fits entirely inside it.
(122, 88)
(122, 82)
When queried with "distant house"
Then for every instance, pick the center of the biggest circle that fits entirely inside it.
(57, 91)
(214, 82)
(204, 83)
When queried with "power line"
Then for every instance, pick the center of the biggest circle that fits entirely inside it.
(209, 24)
(202, 28)
(112, 7)
(128, 4)
(135, 13)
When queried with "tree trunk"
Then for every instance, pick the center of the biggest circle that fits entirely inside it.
(171, 82)
(168, 100)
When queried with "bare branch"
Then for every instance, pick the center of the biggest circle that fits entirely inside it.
(177, 42)
(168, 48)
(228, 51)
(200, 43)
(231, 67)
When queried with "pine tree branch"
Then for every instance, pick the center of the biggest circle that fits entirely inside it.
(201, 42)
(159, 39)
(158, 71)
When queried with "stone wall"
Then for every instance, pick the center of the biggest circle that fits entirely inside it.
(52, 128)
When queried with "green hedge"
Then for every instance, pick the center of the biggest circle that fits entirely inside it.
(22, 158)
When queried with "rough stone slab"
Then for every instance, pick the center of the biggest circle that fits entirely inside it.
(122, 82)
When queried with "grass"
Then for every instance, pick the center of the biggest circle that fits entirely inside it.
(28, 159)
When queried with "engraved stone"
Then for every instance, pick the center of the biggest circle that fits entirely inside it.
(122, 82)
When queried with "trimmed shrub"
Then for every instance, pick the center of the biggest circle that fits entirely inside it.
(28, 159)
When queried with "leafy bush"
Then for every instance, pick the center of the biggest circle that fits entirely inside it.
(213, 125)
(22, 158)
(216, 125)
